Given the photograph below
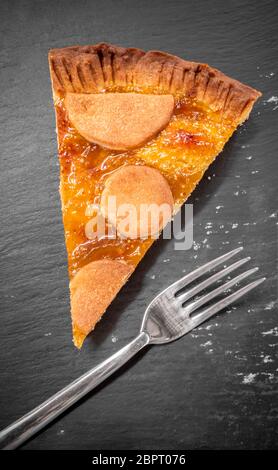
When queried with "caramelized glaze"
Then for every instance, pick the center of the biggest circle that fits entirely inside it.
(181, 152)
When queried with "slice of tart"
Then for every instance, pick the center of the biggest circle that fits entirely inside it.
(138, 128)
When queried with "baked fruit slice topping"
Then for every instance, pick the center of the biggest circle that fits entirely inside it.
(119, 121)
(139, 127)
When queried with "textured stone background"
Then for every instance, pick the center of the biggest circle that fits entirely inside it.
(215, 388)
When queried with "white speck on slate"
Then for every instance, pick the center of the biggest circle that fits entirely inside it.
(210, 351)
(204, 345)
(269, 375)
(114, 339)
(266, 359)
(267, 75)
(249, 378)
(273, 331)
(274, 100)
(270, 305)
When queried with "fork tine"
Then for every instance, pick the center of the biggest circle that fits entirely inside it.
(210, 311)
(219, 290)
(184, 281)
(207, 282)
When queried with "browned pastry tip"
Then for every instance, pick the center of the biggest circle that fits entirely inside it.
(92, 290)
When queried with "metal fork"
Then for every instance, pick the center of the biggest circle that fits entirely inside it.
(168, 317)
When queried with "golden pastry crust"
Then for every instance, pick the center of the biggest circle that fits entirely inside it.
(104, 67)
(119, 121)
(92, 290)
(137, 185)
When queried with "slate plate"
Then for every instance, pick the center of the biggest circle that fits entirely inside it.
(216, 388)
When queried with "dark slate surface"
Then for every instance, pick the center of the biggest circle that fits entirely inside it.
(215, 388)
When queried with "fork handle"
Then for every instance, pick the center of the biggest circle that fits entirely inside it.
(22, 429)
